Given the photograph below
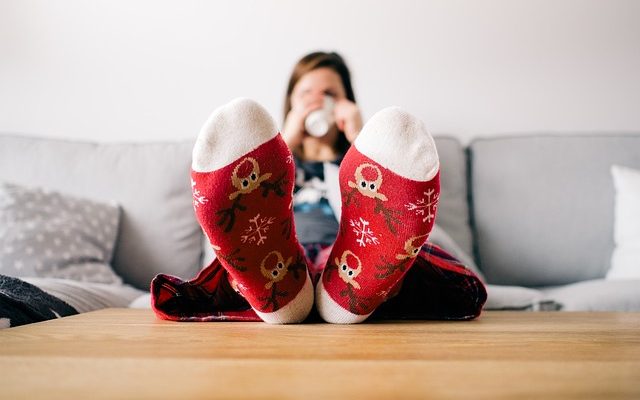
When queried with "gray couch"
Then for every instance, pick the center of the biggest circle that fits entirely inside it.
(533, 214)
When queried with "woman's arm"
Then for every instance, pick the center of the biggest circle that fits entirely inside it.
(293, 130)
(348, 118)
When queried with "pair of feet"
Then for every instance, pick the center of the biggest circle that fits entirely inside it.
(242, 181)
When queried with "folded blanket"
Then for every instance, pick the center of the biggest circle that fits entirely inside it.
(23, 303)
(88, 296)
(437, 287)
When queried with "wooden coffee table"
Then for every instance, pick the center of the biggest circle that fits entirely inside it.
(126, 353)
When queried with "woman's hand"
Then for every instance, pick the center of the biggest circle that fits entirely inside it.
(348, 118)
(293, 130)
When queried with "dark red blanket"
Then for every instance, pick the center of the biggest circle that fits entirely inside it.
(437, 287)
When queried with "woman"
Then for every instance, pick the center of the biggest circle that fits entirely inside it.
(377, 264)
(318, 77)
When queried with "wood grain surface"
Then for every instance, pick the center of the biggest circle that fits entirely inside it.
(127, 353)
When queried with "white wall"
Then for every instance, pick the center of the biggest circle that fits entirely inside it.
(145, 69)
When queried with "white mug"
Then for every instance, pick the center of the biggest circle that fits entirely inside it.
(319, 121)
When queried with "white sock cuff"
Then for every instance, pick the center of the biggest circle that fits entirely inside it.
(296, 310)
(400, 142)
(232, 131)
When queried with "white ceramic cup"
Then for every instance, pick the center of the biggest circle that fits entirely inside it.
(319, 121)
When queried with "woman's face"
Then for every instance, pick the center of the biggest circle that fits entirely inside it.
(313, 85)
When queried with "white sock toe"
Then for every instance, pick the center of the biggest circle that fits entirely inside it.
(232, 131)
(332, 312)
(400, 142)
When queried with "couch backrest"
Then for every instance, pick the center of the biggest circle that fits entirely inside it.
(150, 181)
(453, 208)
(542, 206)
(158, 230)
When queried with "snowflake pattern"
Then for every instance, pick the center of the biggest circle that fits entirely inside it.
(257, 232)
(289, 159)
(365, 234)
(426, 206)
(198, 198)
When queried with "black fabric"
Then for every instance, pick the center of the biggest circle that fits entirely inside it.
(23, 303)
(314, 224)
(307, 170)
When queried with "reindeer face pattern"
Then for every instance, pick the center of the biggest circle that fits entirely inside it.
(368, 187)
(412, 247)
(349, 267)
(274, 268)
(248, 181)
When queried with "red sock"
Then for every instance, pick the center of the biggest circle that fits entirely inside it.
(390, 186)
(242, 181)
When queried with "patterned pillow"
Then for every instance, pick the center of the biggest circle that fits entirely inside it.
(49, 234)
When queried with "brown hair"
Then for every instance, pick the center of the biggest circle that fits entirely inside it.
(314, 61)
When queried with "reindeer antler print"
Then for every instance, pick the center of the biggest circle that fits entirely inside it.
(249, 182)
(271, 301)
(356, 303)
(390, 215)
(298, 267)
(389, 269)
(233, 259)
(412, 247)
(275, 187)
(228, 215)
(287, 227)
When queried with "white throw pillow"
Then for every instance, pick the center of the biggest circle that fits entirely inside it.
(625, 261)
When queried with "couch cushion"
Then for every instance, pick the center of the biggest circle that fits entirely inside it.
(158, 230)
(453, 208)
(543, 206)
(518, 298)
(597, 295)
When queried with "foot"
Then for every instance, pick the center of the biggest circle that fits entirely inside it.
(242, 180)
(390, 184)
